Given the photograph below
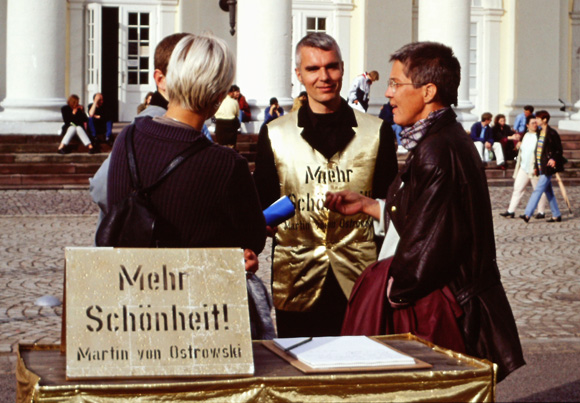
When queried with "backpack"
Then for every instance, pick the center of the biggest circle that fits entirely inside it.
(134, 221)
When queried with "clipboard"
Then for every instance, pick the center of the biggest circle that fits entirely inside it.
(307, 369)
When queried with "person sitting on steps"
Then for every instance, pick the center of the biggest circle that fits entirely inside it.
(75, 120)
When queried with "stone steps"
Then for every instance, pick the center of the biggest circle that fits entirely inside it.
(31, 162)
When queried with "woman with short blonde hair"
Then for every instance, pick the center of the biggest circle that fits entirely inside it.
(200, 83)
(210, 199)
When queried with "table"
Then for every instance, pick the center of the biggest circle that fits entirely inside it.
(41, 377)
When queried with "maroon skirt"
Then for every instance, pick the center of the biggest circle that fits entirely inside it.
(433, 317)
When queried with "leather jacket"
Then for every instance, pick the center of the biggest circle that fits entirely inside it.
(443, 216)
(552, 149)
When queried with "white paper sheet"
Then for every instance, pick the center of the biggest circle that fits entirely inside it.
(343, 352)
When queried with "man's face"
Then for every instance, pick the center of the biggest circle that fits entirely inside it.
(527, 113)
(533, 126)
(321, 73)
(236, 95)
(486, 122)
(407, 101)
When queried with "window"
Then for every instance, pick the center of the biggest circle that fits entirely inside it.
(91, 70)
(315, 24)
(138, 48)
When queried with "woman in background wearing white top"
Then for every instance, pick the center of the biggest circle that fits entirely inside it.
(524, 170)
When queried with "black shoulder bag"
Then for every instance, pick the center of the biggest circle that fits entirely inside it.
(134, 221)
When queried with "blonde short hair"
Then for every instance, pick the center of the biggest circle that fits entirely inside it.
(200, 71)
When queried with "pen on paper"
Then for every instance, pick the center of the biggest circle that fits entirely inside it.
(293, 346)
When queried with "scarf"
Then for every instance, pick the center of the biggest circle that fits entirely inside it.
(411, 135)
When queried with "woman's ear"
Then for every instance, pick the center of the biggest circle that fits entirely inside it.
(429, 92)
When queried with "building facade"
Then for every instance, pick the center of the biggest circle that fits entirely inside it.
(512, 52)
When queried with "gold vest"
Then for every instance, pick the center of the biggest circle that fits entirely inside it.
(316, 238)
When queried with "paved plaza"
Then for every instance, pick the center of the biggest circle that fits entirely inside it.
(539, 262)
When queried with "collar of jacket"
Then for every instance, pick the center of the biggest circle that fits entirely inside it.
(159, 100)
(343, 116)
(448, 117)
(445, 119)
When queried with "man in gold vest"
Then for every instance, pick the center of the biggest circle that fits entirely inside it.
(324, 146)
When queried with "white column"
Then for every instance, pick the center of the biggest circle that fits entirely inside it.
(447, 22)
(35, 71)
(264, 54)
(488, 75)
(573, 123)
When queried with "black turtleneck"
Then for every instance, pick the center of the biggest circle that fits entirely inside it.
(328, 134)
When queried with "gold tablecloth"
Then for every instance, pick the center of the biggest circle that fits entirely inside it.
(41, 377)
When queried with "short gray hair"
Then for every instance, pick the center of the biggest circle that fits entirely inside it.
(318, 40)
(201, 69)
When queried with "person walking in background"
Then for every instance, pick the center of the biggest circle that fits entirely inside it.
(438, 276)
(227, 122)
(324, 145)
(100, 120)
(504, 135)
(75, 120)
(548, 161)
(520, 123)
(482, 137)
(274, 111)
(360, 89)
(524, 170)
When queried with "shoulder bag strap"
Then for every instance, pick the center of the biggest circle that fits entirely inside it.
(131, 160)
(198, 145)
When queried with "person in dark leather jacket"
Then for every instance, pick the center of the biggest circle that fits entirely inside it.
(439, 208)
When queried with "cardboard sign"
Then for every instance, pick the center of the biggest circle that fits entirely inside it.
(156, 313)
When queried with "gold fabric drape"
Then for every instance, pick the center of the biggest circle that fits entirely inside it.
(454, 377)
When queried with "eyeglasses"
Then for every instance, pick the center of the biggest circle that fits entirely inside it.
(394, 85)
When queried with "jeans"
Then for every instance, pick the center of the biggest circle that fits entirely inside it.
(93, 128)
(544, 185)
(522, 180)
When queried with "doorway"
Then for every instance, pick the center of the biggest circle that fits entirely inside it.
(119, 53)
(110, 60)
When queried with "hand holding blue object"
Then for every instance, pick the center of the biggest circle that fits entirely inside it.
(279, 211)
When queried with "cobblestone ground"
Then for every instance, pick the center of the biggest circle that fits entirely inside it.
(539, 262)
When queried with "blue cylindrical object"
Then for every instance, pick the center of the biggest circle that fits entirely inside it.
(279, 211)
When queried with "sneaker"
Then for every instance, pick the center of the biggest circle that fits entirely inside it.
(507, 214)
(402, 150)
(540, 216)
